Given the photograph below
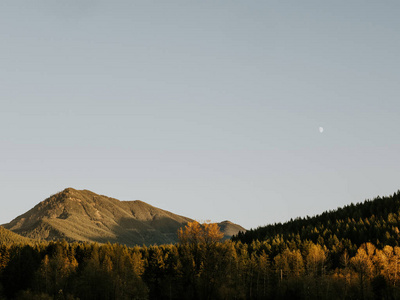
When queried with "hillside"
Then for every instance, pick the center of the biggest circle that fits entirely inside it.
(9, 237)
(376, 221)
(81, 215)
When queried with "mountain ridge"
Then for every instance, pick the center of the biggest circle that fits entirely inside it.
(376, 220)
(82, 215)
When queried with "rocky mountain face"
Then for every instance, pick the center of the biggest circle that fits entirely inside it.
(81, 215)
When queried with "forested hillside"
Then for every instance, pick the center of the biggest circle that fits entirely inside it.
(376, 221)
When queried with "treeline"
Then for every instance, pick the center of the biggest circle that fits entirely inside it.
(297, 269)
(349, 253)
(376, 221)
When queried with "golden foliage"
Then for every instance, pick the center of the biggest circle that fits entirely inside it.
(196, 233)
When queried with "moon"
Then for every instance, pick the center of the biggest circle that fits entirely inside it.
(321, 129)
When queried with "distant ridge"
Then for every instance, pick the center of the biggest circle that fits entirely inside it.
(81, 215)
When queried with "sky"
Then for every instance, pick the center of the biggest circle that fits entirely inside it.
(208, 109)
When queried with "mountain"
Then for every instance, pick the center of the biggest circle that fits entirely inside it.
(81, 215)
(9, 237)
(230, 229)
(376, 221)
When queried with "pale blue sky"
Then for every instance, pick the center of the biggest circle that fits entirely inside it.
(209, 109)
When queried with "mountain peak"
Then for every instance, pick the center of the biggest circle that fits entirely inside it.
(67, 191)
(82, 215)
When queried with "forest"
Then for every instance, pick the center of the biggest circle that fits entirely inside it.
(349, 253)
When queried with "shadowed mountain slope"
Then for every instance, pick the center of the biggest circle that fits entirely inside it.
(81, 215)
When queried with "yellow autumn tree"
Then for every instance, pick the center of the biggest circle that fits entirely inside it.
(363, 265)
(196, 233)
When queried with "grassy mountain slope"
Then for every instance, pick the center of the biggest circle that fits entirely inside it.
(9, 237)
(376, 221)
(81, 215)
